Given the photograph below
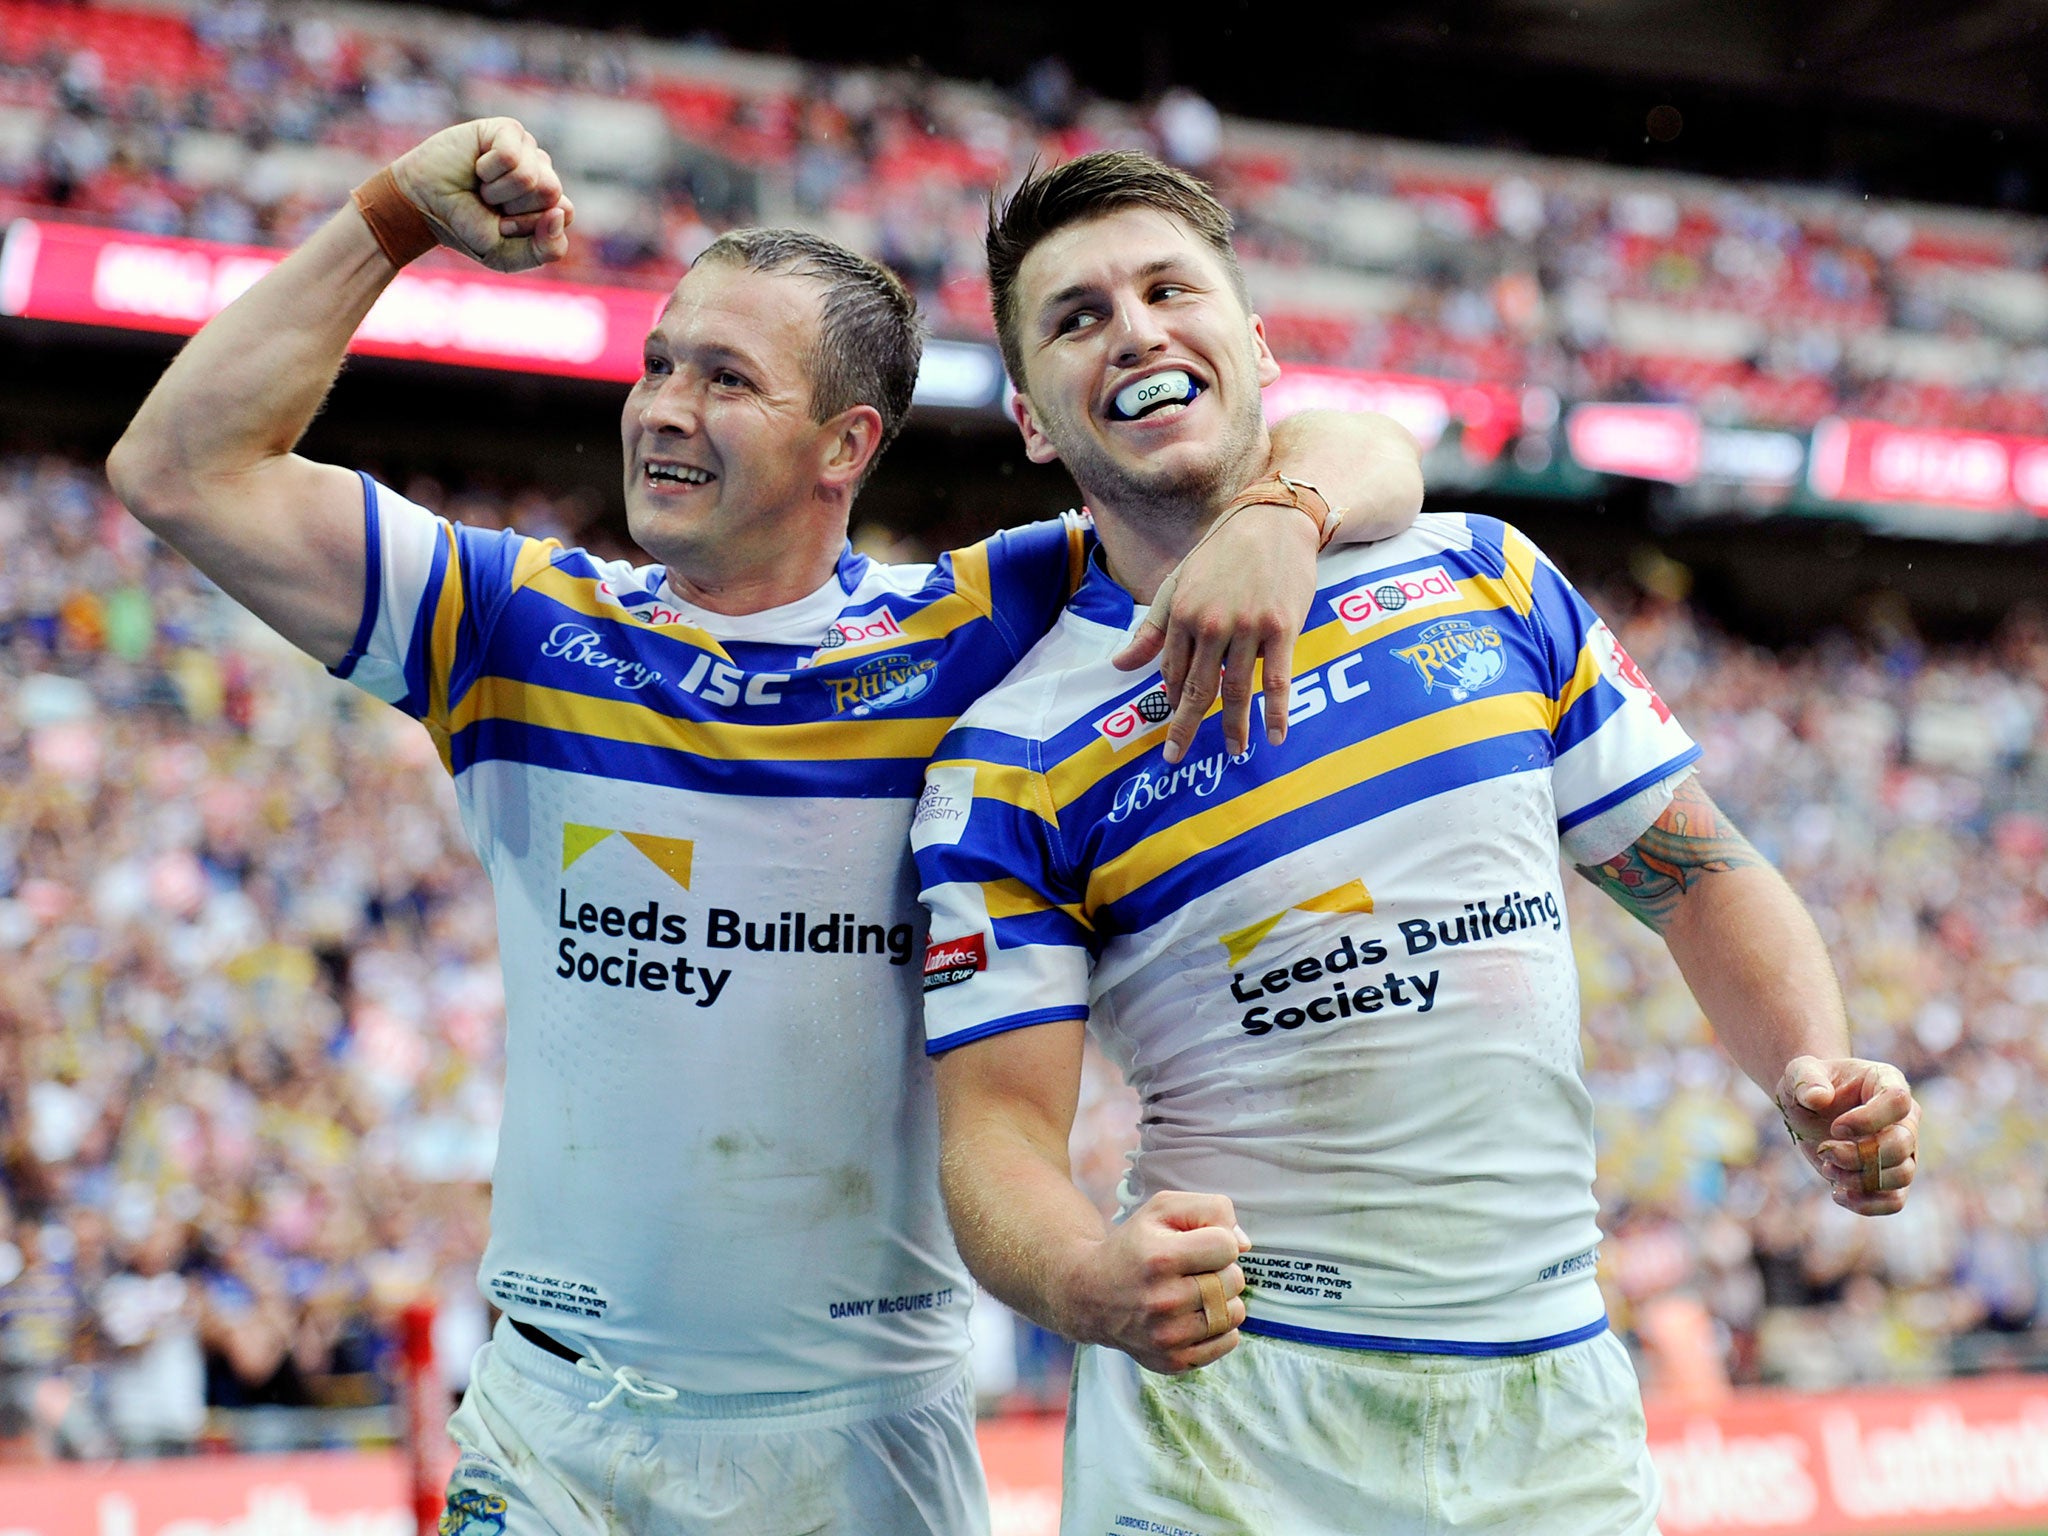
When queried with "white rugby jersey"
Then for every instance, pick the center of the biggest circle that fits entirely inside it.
(719, 1149)
(1336, 971)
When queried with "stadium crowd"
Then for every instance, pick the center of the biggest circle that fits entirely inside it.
(250, 1015)
(247, 121)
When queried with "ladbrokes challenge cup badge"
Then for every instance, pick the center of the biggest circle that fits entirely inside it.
(1457, 655)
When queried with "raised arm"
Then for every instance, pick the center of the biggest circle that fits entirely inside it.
(1006, 1111)
(1241, 597)
(1754, 960)
(207, 463)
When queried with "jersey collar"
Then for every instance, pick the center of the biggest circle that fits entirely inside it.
(799, 622)
(1100, 600)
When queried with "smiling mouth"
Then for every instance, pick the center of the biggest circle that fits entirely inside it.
(1162, 394)
(676, 474)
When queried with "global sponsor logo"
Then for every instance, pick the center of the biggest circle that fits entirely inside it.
(650, 612)
(1136, 718)
(861, 630)
(1622, 668)
(885, 682)
(949, 963)
(581, 644)
(1384, 596)
(1458, 656)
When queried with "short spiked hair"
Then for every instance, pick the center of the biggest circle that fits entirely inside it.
(870, 335)
(1082, 189)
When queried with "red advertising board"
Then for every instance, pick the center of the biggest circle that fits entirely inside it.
(315, 1495)
(1874, 461)
(1487, 414)
(1969, 1456)
(465, 315)
(1961, 1457)
(1648, 442)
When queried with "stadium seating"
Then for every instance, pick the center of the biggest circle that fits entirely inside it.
(1763, 306)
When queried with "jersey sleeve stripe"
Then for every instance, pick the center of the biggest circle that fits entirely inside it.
(1010, 897)
(373, 581)
(448, 614)
(1589, 710)
(421, 660)
(1585, 679)
(1051, 926)
(971, 577)
(1519, 553)
(960, 1037)
(1432, 735)
(1023, 789)
(609, 722)
(1636, 785)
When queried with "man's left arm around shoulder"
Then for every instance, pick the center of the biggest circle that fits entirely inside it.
(1243, 593)
(1750, 952)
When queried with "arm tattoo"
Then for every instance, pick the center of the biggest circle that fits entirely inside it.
(1693, 837)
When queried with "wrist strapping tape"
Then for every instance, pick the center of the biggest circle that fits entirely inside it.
(401, 230)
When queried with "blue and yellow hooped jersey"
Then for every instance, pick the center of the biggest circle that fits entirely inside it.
(717, 1160)
(1335, 970)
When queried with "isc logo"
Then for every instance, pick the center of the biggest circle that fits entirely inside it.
(1130, 721)
(1384, 596)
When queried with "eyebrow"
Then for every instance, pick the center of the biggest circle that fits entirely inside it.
(1080, 290)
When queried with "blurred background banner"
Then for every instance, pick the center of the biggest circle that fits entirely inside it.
(1740, 310)
(1872, 1463)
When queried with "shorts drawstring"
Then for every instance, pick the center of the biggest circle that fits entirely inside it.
(623, 1379)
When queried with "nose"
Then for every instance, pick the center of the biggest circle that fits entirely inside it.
(677, 406)
(1137, 332)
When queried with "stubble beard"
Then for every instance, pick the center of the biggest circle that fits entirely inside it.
(1183, 497)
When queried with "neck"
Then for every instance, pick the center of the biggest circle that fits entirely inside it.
(752, 591)
(1144, 538)
(1141, 552)
(766, 562)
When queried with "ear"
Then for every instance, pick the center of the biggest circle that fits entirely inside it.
(1269, 365)
(1038, 447)
(852, 439)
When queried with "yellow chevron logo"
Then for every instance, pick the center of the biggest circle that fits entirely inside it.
(670, 855)
(1351, 896)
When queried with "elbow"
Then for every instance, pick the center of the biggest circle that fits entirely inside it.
(146, 477)
(1404, 472)
(1404, 490)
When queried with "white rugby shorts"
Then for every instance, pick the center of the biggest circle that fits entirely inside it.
(891, 1458)
(1286, 1439)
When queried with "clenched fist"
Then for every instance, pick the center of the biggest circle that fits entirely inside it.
(1165, 1286)
(491, 192)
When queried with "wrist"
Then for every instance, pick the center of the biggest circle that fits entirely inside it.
(401, 230)
(1278, 490)
(1072, 1301)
